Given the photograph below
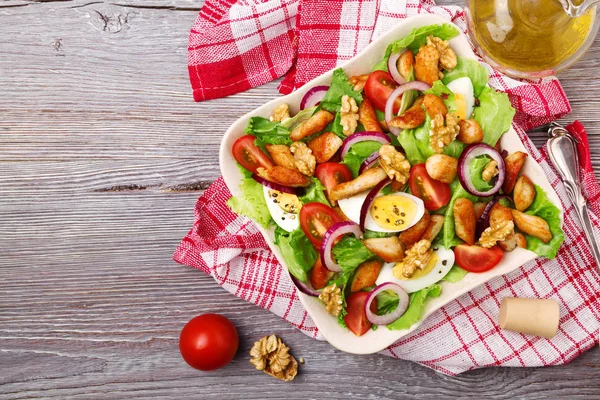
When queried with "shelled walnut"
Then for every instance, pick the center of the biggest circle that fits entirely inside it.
(273, 357)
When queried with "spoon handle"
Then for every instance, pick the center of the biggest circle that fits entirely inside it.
(563, 154)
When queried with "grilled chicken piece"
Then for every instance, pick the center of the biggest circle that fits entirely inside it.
(405, 63)
(284, 176)
(499, 213)
(479, 209)
(314, 124)
(513, 241)
(434, 105)
(411, 118)
(365, 181)
(368, 117)
(366, 275)
(325, 146)
(281, 155)
(413, 234)
(513, 164)
(434, 228)
(464, 220)
(390, 248)
(532, 225)
(524, 193)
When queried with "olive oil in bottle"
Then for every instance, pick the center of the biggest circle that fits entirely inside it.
(527, 35)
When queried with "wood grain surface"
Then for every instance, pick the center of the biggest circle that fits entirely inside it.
(103, 154)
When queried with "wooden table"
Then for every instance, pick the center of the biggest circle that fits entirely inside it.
(103, 154)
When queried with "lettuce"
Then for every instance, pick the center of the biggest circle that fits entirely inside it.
(350, 252)
(339, 87)
(408, 97)
(251, 203)
(416, 307)
(297, 251)
(467, 67)
(373, 234)
(267, 132)
(299, 118)
(358, 153)
(542, 207)
(449, 238)
(455, 274)
(418, 37)
(314, 193)
(476, 169)
(494, 114)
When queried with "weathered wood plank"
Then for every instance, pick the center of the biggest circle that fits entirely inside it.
(100, 143)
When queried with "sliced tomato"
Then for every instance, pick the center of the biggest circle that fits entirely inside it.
(378, 88)
(476, 258)
(315, 219)
(331, 174)
(356, 318)
(320, 275)
(249, 155)
(435, 194)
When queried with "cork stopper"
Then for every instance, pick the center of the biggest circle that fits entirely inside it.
(539, 317)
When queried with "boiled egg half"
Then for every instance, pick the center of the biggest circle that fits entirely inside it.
(463, 96)
(436, 269)
(388, 213)
(284, 208)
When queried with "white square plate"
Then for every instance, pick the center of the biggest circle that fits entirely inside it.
(374, 341)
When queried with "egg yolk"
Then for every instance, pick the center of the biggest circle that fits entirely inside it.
(393, 212)
(397, 270)
(461, 104)
(289, 203)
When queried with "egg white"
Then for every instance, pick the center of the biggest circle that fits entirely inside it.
(464, 86)
(414, 285)
(287, 221)
(351, 208)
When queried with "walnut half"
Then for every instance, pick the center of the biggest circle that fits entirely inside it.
(273, 357)
(417, 257)
(348, 115)
(442, 134)
(331, 296)
(394, 163)
(496, 233)
(303, 158)
(280, 113)
(448, 58)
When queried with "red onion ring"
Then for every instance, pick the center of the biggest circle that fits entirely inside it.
(484, 221)
(366, 206)
(369, 162)
(305, 288)
(335, 231)
(273, 185)
(313, 96)
(389, 104)
(464, 174)
(392, 65)
(361, 137)
(403, 301)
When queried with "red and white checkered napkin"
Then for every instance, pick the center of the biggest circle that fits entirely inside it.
(239, 44)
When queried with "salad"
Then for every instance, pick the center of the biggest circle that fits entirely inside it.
(385, 184)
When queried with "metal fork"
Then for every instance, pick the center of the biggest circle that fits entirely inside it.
(563, 154)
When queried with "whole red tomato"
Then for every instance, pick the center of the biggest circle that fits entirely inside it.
(208, 342)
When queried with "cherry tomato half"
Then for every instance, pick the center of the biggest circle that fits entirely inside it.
(356, 319)
(208, 342)
(476, 258)
(378, 88)
(315, 219)
(249, 155)
(435, 194)
(331, 174)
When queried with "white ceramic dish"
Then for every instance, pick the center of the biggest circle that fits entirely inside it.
(374, 341)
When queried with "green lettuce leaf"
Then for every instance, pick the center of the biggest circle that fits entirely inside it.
(542, 207)
(381, 65)
(418, 37)
(358, 153)
(373, 234)
(449, 238)
(494, 114)
(476, 169)
(314, 193)
(455, 274)
(387, 301)
(341, 280)
(416, 307)
(267, 132)
(350, 252)
(297, 251)
(408, 97)
(339, 87)
(467, 67)
(251, 203)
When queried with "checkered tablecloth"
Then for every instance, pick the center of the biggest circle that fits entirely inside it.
(236, 45)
